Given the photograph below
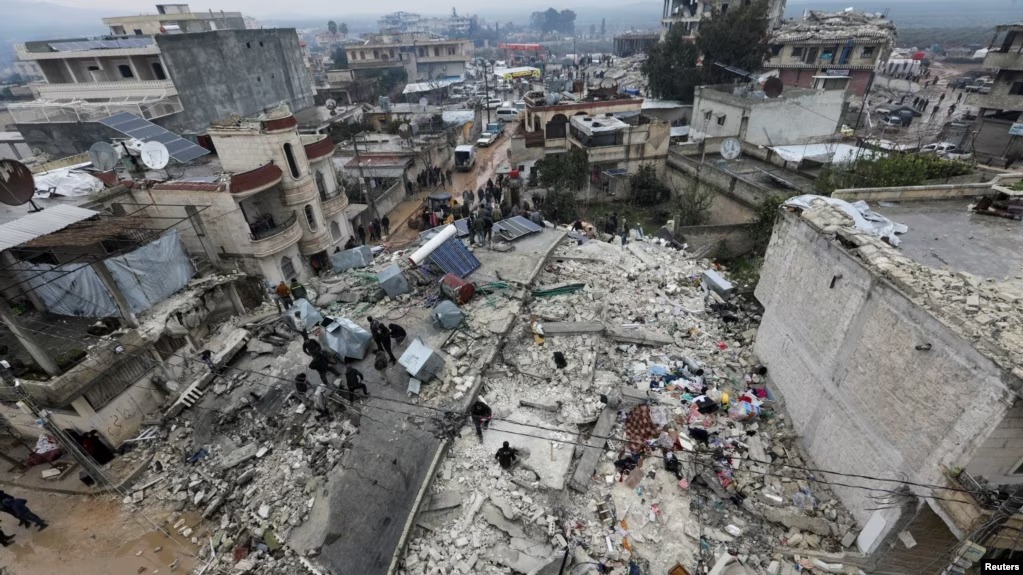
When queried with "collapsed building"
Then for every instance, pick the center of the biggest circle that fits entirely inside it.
(848, 43)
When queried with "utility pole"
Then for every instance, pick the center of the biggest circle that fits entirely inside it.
(486, 90)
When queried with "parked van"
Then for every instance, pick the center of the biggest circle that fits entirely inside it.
(465, 157)
(507, 114)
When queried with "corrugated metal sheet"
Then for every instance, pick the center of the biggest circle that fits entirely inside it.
(454, 258)
(515, 227)
(32, 226)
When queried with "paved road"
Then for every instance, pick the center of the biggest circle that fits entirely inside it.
(381, 475)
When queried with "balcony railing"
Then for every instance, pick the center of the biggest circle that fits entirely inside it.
(127, 88)
(245, 184)
(45, 111)
(270, 237)
(333, 203)
(319, 149)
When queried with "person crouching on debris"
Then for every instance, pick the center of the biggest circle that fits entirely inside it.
(398, 333)
(322, 363)
(354, 380)
(507, 456)
(481, 415)
(382, 337)
(284, 294)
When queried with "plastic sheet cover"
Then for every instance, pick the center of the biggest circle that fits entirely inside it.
(72, 289)
(864, 218)
(346, 338)
(309, 316)
(153, 272)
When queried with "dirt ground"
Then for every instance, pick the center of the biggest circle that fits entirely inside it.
(487, 161)
(95, 535)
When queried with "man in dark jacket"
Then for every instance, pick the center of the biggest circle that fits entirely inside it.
(19, 509)
(481, 415)
(354, 380)
(506, 456)
(385, 224)
(322, 363)
(382, 337)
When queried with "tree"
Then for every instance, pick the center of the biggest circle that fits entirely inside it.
(332, 27)
(343, 28)
(737, 38)
(340, 58)
(671, 68)
(563, 175)
(603, 27)
(692, 205)
(566, 22)
(550, 20)
(647, 188)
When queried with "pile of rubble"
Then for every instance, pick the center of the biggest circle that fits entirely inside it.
(600, 368)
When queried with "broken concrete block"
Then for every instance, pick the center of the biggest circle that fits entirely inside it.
(495, 517)
(444, 500)
(239, 456)
(794, 518)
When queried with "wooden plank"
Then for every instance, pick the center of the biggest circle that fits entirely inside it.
(595, 448)
(638, 337)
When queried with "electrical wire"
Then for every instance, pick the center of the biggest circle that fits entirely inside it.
(444, 413)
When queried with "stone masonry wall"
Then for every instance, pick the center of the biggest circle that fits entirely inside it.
(841, 347)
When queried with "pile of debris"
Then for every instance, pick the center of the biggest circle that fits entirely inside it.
(622, 355)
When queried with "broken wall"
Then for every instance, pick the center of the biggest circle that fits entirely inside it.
(840, 344)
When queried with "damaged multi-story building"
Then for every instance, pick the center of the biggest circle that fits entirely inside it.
(171, 74)
(424, 57)
(687, 14)
(998, 127)
(844, 43)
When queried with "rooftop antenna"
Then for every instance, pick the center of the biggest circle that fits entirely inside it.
(154, 155)
(423, 102)
(103, 156)
(17, 186)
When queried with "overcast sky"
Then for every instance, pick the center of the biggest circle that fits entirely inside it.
(259, 8)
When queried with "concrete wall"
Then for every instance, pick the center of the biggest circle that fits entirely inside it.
(390, 198)
(725, 209)
(117, 421)
(796, 119)
(803, 78)
(242, 72)
(1002, 451)
(840, 345)
(712, 241)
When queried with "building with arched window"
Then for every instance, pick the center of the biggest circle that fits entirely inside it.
(276, 211)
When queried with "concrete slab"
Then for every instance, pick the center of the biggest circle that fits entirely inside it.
(638, 336)
(595, 448)
(572, 327)
(522, 264)
(550, 460)
(239, 456)
(444, 500)
(494, 516)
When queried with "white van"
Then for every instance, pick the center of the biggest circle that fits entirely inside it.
(465, 157)
(507, 114)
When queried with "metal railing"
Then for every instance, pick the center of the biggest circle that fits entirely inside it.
(140, 88)
(260, 231)
(44, 112)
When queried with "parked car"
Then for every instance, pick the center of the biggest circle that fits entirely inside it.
(508, 114)
(938, 148)
(494, 103)
(985, 88)
(485, 139)
(892, 122)
(496, 128)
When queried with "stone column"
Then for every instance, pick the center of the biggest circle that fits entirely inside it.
(39, 353)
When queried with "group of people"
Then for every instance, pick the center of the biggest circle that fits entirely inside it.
(18, 508)
(481, 414)
(432, 177)
(287, 294)
(378, 228)
(325, 361)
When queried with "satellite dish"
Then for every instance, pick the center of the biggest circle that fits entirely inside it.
(773, 87)
(16, 183)
(423, 102)
(330, 104)
(405, 131)
(154, 155)
(103, 156)
(731, 148)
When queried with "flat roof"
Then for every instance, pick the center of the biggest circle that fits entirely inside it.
(945, 234)
(598, 124)
(47, 221)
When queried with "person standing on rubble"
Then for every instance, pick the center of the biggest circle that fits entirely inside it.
(385, 224)
(298, 290)
(481, 415)
(284, 294)
(398, 333)
(361, 232)
(382, 337)
(506, 456)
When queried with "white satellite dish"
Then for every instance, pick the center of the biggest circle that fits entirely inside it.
(103, 156)
(731, 148)
(154, 155)
(423, 102)
(330, 104)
